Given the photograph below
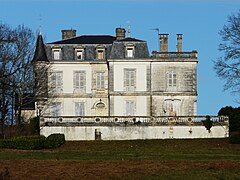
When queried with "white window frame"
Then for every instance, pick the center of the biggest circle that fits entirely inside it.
(130, 51)
(172, 80)
(79, 81)
(79, 52)
(79, 108)
(100, 80)
(130, 79)
(130, 108)
(57, 81)
(56, 53)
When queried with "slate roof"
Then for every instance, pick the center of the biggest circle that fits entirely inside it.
(88, 39)
(129, 39)
(40, 52)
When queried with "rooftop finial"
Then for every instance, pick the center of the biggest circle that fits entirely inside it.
(129, 29)
(40, 24)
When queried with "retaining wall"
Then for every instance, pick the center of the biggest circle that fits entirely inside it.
(73, 133)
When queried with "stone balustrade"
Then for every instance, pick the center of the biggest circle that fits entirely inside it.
(129, 120)
(174, 55)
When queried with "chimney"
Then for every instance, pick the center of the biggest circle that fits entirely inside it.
(179, 42)
(120, 33)
(163, 42)
(66, 34)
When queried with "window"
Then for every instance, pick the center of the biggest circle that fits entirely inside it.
(100, 54)
(79, 108)
(100, 80)
(56, 108)
(129, 50)
(79, 81)
(130, 79)
(79, 54)
(172, 79)
(56, 54)
(100, 50)
(57, 81)
(130, 108)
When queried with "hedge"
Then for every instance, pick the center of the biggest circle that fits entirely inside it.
(33, 142)
(54, 141)
(24, 142)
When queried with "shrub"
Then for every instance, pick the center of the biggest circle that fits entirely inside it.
(234, 137)
(207, 123)
(54, 141)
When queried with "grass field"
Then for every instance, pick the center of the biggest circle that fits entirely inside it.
(139, 159)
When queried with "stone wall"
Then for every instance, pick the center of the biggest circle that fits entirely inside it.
(73, 133)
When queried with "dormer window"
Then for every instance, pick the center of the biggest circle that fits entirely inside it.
(79, 54)
(100, 53)
(129, 50)
(56, 52)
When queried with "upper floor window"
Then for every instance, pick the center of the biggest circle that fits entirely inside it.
(79, 54)
(129, 50)
(172, 79)
(100, 80)
(57, 81)
(79, 108)
(56, 53)
(130, 79)
(79, 81)
(100, 53)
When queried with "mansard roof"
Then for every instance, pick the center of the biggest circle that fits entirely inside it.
(40, 52)
(129, 39)
(88, 39)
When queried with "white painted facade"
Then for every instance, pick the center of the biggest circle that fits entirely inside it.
(141, 74)
(140, 105)
(68, 68)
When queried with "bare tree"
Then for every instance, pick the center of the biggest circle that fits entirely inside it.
(7, 61)
(16, 74)
(228, 66)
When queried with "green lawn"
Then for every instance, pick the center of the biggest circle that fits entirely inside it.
(200, 149)
(138, 159)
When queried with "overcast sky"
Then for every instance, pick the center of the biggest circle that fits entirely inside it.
(198, 20)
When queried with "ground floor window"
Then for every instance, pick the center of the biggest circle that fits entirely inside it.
(56, 108)
(79, 108)
(130, 108)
